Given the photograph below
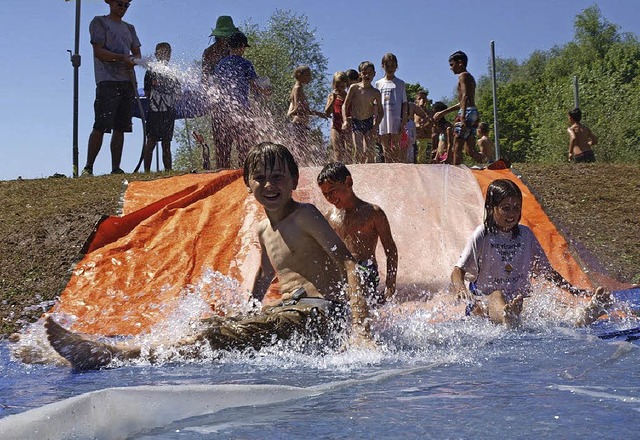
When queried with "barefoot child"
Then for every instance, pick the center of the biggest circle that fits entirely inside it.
(581, 139)
(485, 145)
(362, 112)
(360, 225)
(299, 110)
(302, 257)
(394, 105)
(467, 118)
(340, 142)
(502, 255)
(442, 137)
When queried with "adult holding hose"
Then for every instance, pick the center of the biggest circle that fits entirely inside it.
(115, 48)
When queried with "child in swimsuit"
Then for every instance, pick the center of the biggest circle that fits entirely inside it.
(299, 110)
(362, 112)
(339, 139)
(360, 225)
(443, 131)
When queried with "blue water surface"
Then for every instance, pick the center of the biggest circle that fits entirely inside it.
(455, 380)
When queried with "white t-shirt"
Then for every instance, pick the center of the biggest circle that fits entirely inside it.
(394, 95)
(500, 262)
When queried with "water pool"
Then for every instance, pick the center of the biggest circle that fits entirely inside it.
(453, 380)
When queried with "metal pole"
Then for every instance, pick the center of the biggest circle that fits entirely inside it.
(576, 95)
(495, 100)
(75, 62)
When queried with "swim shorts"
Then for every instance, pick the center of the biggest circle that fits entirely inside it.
(362, 125)
(370, 279)
(112, 107)
(471, 118)
(585, 157)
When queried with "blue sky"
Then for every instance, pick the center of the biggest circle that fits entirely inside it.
(37, 76)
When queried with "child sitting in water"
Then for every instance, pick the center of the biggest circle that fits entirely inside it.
(360, 225)
(302, 257)
(502, 255)
(340, 142)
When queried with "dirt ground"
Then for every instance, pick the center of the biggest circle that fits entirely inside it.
(45, 222)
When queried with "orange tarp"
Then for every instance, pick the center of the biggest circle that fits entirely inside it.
(173, 230)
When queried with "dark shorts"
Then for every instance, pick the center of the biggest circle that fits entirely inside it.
(585, 157)
(317, 322)
(362, 125)
(112, 106)
(160, 125)
(370, 279)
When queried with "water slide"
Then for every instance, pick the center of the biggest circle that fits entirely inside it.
(173, 232)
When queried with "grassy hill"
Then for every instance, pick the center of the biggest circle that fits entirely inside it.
(45, 222)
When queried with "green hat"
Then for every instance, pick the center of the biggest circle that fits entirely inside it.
(224, 27)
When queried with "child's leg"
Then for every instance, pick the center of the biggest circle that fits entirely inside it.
(359, 147)
(166, 155)
(598, 305)
(470, 148)
(147, 154)
(370, 146)
(385, 141)
(458, 144)
(503, 312)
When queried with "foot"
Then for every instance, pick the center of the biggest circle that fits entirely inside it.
(117, 171)
(87, 171)
(82, 353)
(512, 311)
(600, 302)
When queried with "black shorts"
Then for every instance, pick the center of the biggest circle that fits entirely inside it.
(585, 157)
(112, 106)
(160, 125)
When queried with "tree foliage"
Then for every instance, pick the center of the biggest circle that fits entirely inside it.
(535, 95)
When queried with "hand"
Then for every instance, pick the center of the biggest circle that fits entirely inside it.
(437, 116)
(388, 293)
(345, 124)
(464, 295)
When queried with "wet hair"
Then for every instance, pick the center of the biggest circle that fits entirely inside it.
(389, 57)
(266, 154)
(339, 77)
(575, 114)
(301, 70)
(497, 191)
(353, 75)
(459, 56)
(333, 172)
(363, 65)
(483, 127)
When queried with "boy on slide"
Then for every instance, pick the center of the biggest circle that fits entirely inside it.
(360, 225)
(502, 255)
(302, 257)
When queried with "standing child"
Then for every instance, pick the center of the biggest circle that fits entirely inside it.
(581, 139)
(442, 133)
(394, 105)
(339, 139)
(353, 76)
(362, 112)
(485, 145)
(301, 257)
(162, 91)
(360, 225)
(467, 119)
(299, 110)
(413, 112)
(502, 255)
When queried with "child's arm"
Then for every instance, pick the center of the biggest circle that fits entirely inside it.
(346, 109)
(458, 285)
(379, 109)
(592, 139)
(328, 108)
(264, 275)
(572, 141)
(391, 252)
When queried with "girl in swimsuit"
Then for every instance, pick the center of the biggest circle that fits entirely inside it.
(342, 148)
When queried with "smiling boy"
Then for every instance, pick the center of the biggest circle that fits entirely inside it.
(360, 224)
